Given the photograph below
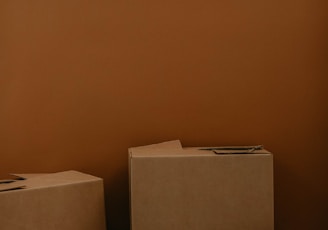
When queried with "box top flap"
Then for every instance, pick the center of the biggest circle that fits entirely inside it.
(33, 181)
(11, 186)
(168, 145)
(173, 150)
(27, 175)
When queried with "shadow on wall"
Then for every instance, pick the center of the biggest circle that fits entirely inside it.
(117, 201)
(296, 192)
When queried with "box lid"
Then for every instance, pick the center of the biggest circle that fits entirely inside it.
(175, 149)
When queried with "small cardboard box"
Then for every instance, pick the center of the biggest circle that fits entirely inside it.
(67, 200)
(175, 188)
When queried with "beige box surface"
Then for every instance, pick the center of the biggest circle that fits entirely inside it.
(175, 188)
(67, 200)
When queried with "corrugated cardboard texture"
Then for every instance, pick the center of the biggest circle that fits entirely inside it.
(66, 201)
(201, 191)
(81, 81)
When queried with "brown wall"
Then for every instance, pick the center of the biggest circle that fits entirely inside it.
(81, 81)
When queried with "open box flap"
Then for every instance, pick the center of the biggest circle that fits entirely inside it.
(174, 145)
(24, 176)
(31, 181)
(12, 185)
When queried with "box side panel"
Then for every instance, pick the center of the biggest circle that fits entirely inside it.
(130, 186)
(69, 207)
(224, 192)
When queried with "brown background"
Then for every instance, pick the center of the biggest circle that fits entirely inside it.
(81, 81)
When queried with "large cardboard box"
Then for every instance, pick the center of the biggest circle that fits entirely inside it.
(175, 188)
(67, 200)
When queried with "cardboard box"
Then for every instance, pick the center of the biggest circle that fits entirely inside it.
(67, 200)
(175, 188)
